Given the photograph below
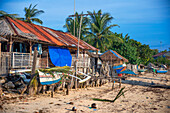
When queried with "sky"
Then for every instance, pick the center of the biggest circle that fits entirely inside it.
(147, 21)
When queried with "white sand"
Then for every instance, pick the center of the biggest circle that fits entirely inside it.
(142, 99)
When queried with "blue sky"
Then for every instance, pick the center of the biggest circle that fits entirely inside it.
(147, 21)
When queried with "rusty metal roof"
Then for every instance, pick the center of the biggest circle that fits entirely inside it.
(37, 32)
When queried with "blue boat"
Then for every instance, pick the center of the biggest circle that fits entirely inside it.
(161, 71)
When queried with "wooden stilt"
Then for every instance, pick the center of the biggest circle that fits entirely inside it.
(120, 83)
(52, 91)
(44, 89)
(67, 91)
(113, 86)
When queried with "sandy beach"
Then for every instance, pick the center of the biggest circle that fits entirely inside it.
(139, 98)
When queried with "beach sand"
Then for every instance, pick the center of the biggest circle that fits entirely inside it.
(139, 98)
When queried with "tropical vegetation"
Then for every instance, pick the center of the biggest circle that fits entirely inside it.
(31, 13)
(96, 30)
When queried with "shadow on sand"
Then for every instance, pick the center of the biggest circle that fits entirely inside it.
(147, 84)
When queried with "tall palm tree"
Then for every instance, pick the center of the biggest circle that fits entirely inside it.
(31, 13)
(84, 26)
(100, 35)
(3, 13)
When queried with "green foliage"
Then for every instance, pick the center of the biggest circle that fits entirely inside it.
(99, 35)
(64, 69)
(69, 25)
(161, 60)
(133, 50)
(94, 30)
(31, 13)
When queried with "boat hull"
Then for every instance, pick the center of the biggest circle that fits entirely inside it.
(48, 79)
(161, 71)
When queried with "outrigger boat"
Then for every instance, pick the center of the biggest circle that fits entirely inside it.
(47, 78)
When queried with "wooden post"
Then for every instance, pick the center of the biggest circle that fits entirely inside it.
(30, 43)
(67, 91)
(93, 71)
(120, 83)
(33, 69)
(10, 50)
(47, 59)
(52, 91)
(113, 86)
(34, 61)
(44, 89)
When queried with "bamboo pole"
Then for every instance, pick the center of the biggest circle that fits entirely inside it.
(10, 50)
(78, 52)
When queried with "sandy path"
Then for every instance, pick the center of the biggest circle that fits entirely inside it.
(138, 98)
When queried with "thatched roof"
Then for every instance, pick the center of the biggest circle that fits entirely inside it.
(18, 28)
(92, 55)
(2, 39)
(111, 55)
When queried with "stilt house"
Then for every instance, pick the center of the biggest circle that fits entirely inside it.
(18, 40)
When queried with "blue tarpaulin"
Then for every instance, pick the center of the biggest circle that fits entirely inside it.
(120, 70)
(60, 56)
(117, 67)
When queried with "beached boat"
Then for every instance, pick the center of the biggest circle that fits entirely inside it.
(161, 71)
(48, 79)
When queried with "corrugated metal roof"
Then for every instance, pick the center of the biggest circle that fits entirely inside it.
(47, 34)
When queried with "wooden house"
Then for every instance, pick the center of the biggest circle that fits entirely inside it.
(112, 58)
(20, 38)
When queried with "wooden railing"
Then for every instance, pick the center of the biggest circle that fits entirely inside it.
(82, 62)
(4, 63)
(21, 60)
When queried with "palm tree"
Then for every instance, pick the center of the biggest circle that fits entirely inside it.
(31, 13)
(84, 26)
(100, 35)
(3, 13)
